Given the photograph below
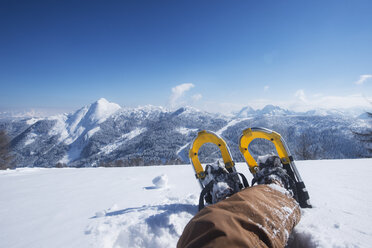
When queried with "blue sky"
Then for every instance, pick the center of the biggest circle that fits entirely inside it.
(213, 55)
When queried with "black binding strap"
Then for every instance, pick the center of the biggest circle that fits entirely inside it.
(244, 179)
(203, 192)
(209, 187)
(254, 180)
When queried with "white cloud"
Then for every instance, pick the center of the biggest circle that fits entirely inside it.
(178, 92)
(300, 95)
(266, 88)
(362, 79)
(318, 101)
(197, 97)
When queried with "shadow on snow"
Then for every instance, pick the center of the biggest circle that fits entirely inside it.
(167, 209)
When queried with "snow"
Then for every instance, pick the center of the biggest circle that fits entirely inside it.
(82, 124)
(101, 110)
(262, 159)
(91, 132)
(186, 131)
(124, 138)
(30, 139)
(85, 121)
(133, 133)
(182, 147)
(220, 191)
(141, 112)
(340, 192)
(120, 207)
(59, 127)
(64, 159)
(160, 181)
(209, 171)
(279, 188)
(231, 123)
(33, 121)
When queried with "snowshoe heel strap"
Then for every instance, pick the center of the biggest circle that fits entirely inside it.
(206, 189)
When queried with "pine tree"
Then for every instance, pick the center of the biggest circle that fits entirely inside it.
(304, 149)
(6, 160)
(366, 136)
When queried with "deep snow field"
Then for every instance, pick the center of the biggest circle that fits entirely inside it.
(121, 207)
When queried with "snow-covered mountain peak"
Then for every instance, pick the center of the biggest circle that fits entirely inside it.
(140, 112)
(100, 110)
(194, 113)
(267, 110)
(270, 107)
(274, 110)
(151, 108)
(148, 110)
(83, 121)
(245, 112)
(186, 110)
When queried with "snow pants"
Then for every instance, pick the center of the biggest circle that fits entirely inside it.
(259, 216)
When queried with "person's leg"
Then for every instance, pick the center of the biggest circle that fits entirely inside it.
(260, 216)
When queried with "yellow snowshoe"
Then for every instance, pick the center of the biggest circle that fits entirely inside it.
(288, 163)
(215, 175)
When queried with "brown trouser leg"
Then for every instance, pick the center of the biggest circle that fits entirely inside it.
(260, 216)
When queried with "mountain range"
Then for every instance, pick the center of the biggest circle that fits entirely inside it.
(105, 134)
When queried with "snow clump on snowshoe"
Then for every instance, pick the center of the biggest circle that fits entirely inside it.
(224, 183)
(270, 170)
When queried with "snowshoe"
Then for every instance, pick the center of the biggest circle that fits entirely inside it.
(217, 181)
(298, 187)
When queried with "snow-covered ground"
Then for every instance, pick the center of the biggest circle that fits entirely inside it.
(121, 207)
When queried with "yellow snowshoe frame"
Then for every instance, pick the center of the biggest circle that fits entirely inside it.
(250, 134)
(209, 137)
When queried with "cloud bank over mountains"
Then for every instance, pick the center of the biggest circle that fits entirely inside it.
(297, 100)
(188, 94)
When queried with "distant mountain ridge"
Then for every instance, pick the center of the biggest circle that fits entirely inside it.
(248, 111)
(267, 110)
(103, 133)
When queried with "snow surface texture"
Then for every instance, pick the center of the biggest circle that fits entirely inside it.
(120, 207)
